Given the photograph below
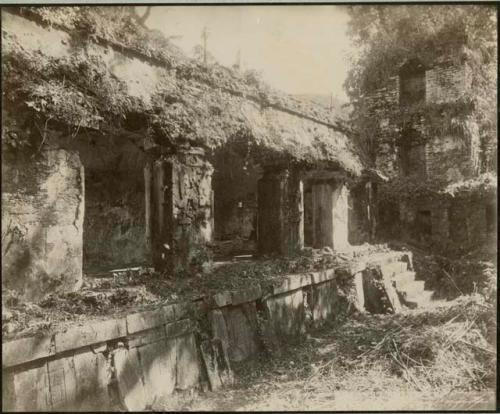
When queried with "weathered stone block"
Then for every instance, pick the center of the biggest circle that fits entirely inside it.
(91, 382)
(211, 365)
(380, 295)
(287, 314)
(90, 334)
(246, 295)
(324, 301)
(62, 383)
(158, 361)
(129, 379)
(32, 390)
(188, 369)
(8, 392)
(219, 328)
(179, 328)
(145, 320)
(241, 327)
(360, 294)
(293, 282)
(185, 310)
(323, 276)
(42, 220)
(222, 299)
(147, 337)
(26, 349)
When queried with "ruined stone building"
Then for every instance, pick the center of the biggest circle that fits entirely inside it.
(120, 151)
(442, 188)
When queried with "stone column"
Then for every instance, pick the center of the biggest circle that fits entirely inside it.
(181, 211)
(330, 208)
(280, 212)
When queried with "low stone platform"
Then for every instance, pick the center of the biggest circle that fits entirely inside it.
(135, 361)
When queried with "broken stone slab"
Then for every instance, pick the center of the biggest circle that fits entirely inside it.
(211, 365)
(219, 327)
(129, 379)
(246, 295)
(141, 321)
(90, 334)
(188, 370)
(26, 350)
(158, 362)
(225, 371)
(379, 294)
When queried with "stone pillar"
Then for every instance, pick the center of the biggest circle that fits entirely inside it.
(280, 212)
(43, 203)
(330, 214)
(181, 211)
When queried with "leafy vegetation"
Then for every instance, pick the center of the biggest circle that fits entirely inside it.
(388, 36)
(192, 103)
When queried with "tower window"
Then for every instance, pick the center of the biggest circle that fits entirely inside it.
(411, 83)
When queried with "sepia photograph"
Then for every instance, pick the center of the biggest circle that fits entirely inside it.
(249, 207)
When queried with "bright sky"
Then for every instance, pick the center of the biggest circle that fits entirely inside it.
(299, 49)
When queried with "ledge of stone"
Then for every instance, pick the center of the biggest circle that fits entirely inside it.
(90, 334)
(149, 325)
(26, 349)
(142, 321)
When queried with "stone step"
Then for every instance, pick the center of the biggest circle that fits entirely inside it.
(404, 277)
(393, 268)
(419, 297)
(407, 285)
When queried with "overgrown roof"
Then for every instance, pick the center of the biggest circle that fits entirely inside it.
(192, 103)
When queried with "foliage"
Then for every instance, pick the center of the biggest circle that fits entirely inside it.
(388, 36)
(413, 187)
(450, 278)
(192, 104)
(125, 32)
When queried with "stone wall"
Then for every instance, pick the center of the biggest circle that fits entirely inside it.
(141, 359)
(445, 83)
(456, 224)
(42, 222)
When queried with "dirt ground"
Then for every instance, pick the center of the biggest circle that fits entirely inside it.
(438, 359)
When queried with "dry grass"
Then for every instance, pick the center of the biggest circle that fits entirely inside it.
(442, 358)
